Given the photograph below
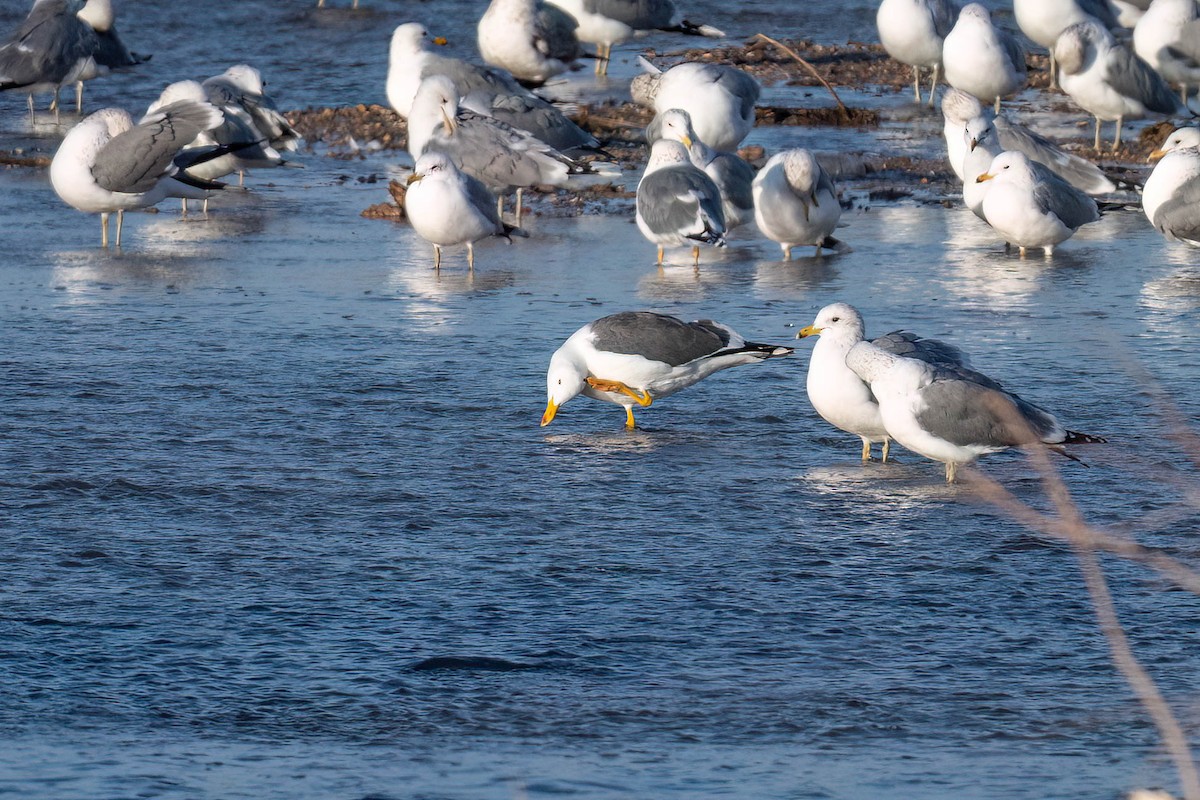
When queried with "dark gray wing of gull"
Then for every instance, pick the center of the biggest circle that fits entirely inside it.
(482, 200)
(1079, 172)
(1039, 419)
(1132, 77)
(1055, 196)
(673, 199)
(1013, 49)
(945, 14)
(741, 85)
(1101, 10)
(468, 77)
(136, 160)
(637, 14)
(50, 47)
(530, 113)
(264, 114)
(242, 138)
(931, 351)
(1180, 215)
(111, 52)
(554, 34)
(658, 337)
(967, 413)
(735, 179)
(1187, 46)
(497, 154)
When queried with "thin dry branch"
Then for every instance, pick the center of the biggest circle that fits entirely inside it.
(841, 106)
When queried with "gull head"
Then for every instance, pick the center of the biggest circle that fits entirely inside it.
(1008, 167)
(409, 39)
(246, 78)
(565, 378)
(975, 12)
(99, 14)
(1180, 139)
(676, 124)
(801, 169)
(958, 106)
(438, 92)
(433, 165)
(180, 90)
(836, 320)
(978, 130)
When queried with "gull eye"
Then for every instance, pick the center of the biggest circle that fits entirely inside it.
(836, 319)
(560, 381)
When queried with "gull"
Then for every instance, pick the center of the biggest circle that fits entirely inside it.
(953, 414)
(677, 204)
(729, 171)
(447, 207)
(1031, 206)
(110, 53)
(981, 59)
(637, 357)
(1044, 20)
(837, 393)
(50, 49)
(795, 202)
(608, 22)
(720, 99)
(503, 157)
(486, 90)
(1167, 37)
(241, 89)
(106, 163)
(531, 40)
(1106, 78)
(1171, 197)
(968, 125)
(912, 32)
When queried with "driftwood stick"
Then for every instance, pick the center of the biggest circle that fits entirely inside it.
(841, 106)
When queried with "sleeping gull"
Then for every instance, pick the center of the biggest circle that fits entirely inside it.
(677, 204)
(1167, 37)
(967, 121)
(1030, 206)
(981, 59)
(719, 99)
(608, 22)
(1043, 20)
(729, 171)
(106, 163)
(837, 393)
(953, 414)
(912, 32)
(447, 207)
(487, 90)
(503, 157)
(1107, 79)
(795, 202)
(1171, 197)
(241, 89)
(51, 48)
(637, 357)
(531, 40)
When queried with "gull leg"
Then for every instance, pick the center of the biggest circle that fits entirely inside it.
(1096, 146)
(183, 212)
(787, 252)
(241, 177)
(437, 257)
(629, 423)
(471, 256)
(818, 253)
(997, 104)
(887, 446)
(866, 454)
(104, 229)
(31, 120)
(1117, 138)
(933, 84)
(1183, 94)
(951, 472)
(1053, 71)
(660, 255)
(78, 97)
(500, 206)
(1022, 249)
(519, 194)
(1049, 251)
(205, 206)
(120, 224)
(917, 85)
(603, 65)
(695, 255)
(642, 398)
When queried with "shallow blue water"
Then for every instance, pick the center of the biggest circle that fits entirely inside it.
(279, 520)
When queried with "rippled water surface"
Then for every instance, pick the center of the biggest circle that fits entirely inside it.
(279, 520)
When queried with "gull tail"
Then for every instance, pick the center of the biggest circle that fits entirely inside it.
(511, 231)
(647, 67)
(1075, 437)
(692, 29)
(765, 351)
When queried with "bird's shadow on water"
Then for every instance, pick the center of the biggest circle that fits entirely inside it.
(621, 440)
(794, 279)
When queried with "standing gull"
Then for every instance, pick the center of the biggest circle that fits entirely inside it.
(1043, 20)
(110, 53)
(486, 90)
(912, 32)
(677, 204)
(837, 393)
(1171, 197)
(1107, 79)
(50, 49)
(953, 414)
(795, 202)
(719, 99)
(608, 22)
(447, 207)
(1030, 206)
(637, 357)
(1167, 37)
(981, 59)
(106, 163)
(241, 88)
(729, 171)
(531, 40)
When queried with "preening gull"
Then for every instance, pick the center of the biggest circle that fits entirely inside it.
(1167, 37)
(795, 202)
(637, 357)
(447, 207)
(1030, 206)
(720, 99)
(1107, 79)
(912, 32)
(608, 22)
(1171, 196)
(677, 204)
(953, 414)
(106, 163)
(729, 171)
(997, 133)
(980, 59)
(110, 53)
(241, 87)
(837, 393)
(52, 48)
(531, 40)
(485, 90)
(1043, 20)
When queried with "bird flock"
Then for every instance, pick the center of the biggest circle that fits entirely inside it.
(480, 132)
